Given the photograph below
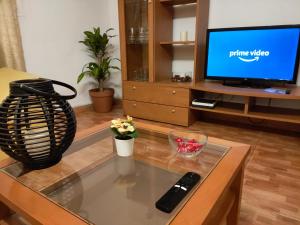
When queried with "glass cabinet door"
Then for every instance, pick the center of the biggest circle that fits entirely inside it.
(137, 39)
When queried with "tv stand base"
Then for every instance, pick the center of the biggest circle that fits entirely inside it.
(247, 84)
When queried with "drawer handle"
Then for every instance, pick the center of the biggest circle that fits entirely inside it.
(134, 87)
(174, 92)
(134, 105)
(173, 111)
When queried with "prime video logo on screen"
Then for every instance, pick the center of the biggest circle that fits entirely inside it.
(249, 56)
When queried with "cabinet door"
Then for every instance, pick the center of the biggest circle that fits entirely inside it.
(156, 94)
(136, 19)
(156, 112)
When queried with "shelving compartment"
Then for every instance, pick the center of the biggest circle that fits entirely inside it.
(274, 109)
(172, 55)
(277, 110)
(177, 2)
(226, 104)
(178, 43)
(137, 62)
(137, 39)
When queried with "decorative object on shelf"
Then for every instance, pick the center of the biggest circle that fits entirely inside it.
(278, 90)
(183, 36)
(140, 74)
(188, 74)
(138, 35)
(100, 49)
(125, 134)
(131, 35)
(178, 78)
(37, 125)
(187, 143)
(143, 35)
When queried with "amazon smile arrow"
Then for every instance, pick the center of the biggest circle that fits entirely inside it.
(249, 60)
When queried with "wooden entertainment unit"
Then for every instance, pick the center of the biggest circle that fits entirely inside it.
(249, 106)
(171, 103)
(147, 51)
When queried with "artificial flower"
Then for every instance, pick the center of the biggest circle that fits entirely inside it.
(124, 127)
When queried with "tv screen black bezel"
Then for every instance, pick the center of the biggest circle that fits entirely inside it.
(296, 68)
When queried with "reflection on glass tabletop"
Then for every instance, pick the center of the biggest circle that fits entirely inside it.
(103, 188)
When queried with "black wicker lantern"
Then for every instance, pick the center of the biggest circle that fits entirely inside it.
(37, 125)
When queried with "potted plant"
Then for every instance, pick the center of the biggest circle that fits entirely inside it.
(125, 134)
(100, 69)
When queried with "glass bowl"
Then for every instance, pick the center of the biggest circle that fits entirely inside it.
(187, 143)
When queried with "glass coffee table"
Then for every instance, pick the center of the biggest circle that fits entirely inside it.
(92, 185)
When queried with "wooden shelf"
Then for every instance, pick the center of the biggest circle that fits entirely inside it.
(258, 112)
(217, 87)
(169, 83)
(137, 43)
(187, 43)
(274, 113)
(229, 108)
(177, 2)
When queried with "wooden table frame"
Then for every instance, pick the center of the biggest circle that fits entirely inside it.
(216, 201)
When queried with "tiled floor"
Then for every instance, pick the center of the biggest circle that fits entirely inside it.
(271, 194)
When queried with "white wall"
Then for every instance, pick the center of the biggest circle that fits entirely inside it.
(50, 34)
(234, 13)
(113, 17)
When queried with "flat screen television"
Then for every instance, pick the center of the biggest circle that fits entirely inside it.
(253, 53)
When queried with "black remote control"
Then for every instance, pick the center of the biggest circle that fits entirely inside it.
(171, 199)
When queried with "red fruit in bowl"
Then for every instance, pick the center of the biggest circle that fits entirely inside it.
(192, 141)
(194, 147)
(179, 140)
(190, 147)
(181, 147)
(187, 143)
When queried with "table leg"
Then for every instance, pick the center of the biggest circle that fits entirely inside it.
(233, 215)
(4, 211)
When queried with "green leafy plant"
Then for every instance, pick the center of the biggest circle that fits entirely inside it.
(98, 45)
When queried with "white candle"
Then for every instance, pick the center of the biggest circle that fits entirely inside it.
(31, 137)
(183, 36)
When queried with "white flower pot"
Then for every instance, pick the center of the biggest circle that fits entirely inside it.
(124, 147)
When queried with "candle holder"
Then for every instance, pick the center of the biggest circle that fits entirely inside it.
(37, 125)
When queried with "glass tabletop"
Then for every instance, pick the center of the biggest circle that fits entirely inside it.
(103, 188)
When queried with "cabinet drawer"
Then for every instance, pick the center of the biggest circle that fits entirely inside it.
(161, 113)
(156, 94)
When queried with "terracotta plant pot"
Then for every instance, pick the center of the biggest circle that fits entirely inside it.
(102, 100)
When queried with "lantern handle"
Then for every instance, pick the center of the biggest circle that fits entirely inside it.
(66, 97)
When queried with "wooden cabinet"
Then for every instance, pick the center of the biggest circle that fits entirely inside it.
(153, 93)
(161, 113)
(146, 40)
(167, 42)
(136, 37)
(156, 102)
(148, 47)
(255, 103)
